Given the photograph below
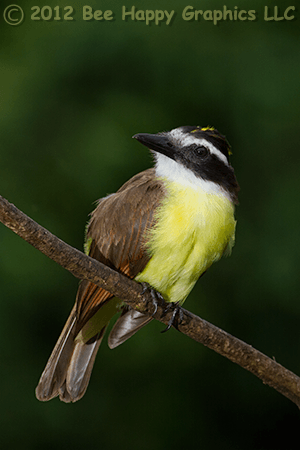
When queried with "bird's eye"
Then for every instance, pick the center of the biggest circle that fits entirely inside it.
(202, 151)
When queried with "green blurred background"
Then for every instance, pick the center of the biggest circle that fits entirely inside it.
(72, 95)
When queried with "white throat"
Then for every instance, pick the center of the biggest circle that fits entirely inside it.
(175, 172)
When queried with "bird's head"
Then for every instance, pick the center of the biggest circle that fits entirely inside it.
(192, 151)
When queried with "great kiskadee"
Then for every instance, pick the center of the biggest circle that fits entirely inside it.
(164, 227)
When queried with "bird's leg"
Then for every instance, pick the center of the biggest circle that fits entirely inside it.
(158, 298)
(177, 311)
(155, 296)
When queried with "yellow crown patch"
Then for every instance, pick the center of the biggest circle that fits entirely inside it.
(207, 128)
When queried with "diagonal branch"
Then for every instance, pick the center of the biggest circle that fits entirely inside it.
(84, 267)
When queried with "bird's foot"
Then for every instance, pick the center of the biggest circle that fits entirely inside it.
(176, 316)
(155, 296)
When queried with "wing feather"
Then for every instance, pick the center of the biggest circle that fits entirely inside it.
(117, 228)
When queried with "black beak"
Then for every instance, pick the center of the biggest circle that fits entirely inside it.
(158, 142)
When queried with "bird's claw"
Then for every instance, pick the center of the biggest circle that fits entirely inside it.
(155, 296)
(177, 312)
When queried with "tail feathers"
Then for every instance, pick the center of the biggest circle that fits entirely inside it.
(69, 367)
(56, 369)
(126, 326)
(80, 369)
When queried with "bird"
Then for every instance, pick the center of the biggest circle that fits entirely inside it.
(164, 228)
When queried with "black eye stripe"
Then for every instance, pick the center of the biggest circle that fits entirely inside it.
(199, 150)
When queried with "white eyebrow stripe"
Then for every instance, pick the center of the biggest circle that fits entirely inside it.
(186, 140)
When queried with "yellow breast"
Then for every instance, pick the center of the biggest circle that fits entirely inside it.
(193, 230)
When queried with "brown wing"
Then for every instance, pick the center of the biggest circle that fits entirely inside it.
(117, 229)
